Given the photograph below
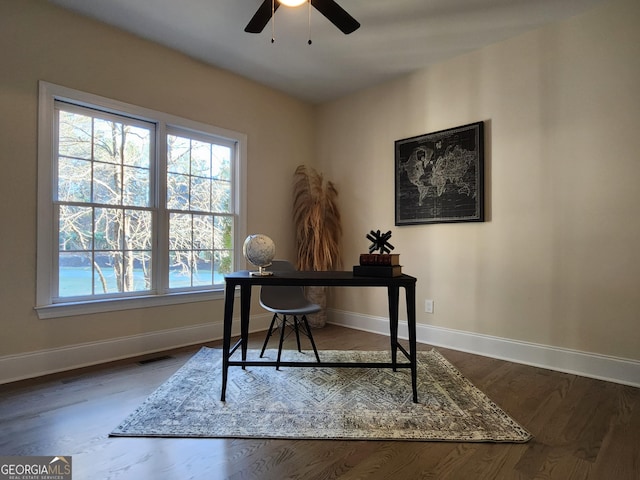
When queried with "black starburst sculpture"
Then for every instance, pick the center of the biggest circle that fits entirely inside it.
(380, 241)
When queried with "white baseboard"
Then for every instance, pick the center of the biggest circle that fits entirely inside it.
(44, 362)
(602, 367)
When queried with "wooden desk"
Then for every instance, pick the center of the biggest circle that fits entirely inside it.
(245, 281)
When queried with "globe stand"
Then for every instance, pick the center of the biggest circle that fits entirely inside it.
(261, 272)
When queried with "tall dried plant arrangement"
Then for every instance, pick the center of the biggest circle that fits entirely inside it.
(318, 230)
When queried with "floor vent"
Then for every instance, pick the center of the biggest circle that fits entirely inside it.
(154, 359)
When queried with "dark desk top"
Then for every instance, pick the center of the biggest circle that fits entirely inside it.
(326, 279)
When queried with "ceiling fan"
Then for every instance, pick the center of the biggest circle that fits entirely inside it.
(330, 9)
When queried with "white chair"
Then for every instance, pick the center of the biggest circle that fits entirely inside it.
(288, 302)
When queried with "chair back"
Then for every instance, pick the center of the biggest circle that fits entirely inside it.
(284, 298)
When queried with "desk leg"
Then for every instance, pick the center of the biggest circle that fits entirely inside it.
(226, 338)
(410, 293)
(245, 305)
(394, 294)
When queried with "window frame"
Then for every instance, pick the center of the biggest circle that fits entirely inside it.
(47, 241)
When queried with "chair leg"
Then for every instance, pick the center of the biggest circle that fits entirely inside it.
(283, 326)
(295, 327)
(266, 340)
(313, 344)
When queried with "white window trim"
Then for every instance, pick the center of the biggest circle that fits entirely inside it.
(48, 94)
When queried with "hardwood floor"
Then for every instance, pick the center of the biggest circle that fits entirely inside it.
(583, 428)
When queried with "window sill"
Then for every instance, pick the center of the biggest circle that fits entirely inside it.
(112, 305)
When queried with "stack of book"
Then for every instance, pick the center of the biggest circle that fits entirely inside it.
(378, 265)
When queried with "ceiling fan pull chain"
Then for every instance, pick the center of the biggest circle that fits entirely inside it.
(273, 21)
(309, 2)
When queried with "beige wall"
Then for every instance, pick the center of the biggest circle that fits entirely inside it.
(42, 42)
(557, 261)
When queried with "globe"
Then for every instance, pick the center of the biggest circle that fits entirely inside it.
(259, 250)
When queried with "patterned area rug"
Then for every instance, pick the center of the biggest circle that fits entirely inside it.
(322, 402)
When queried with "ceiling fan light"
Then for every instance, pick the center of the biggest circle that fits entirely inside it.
(292, 3)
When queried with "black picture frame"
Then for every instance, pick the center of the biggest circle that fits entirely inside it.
(439, 176)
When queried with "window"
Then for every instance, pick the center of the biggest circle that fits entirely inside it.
(199, 205)
(102, 204)
(136, 207)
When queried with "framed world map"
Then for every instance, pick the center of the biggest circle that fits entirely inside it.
(439, 177)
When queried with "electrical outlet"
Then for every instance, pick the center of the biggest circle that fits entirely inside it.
(428, 305)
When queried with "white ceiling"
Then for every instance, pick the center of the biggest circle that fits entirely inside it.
(396, 36)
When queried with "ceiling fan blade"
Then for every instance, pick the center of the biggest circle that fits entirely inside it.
(261, 17)
(336, 15)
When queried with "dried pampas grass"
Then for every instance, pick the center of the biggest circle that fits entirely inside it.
(317, 221)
